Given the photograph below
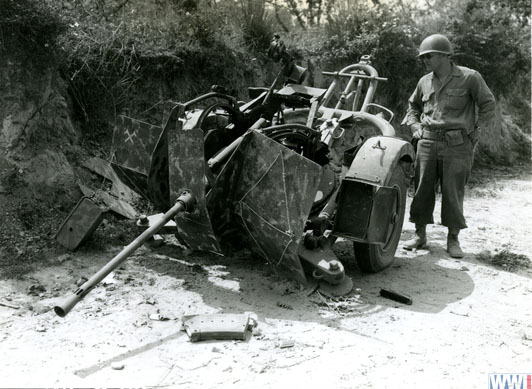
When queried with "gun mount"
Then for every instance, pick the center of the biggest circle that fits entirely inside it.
(288, 173)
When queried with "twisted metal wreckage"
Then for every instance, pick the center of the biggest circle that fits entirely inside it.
(287, 173)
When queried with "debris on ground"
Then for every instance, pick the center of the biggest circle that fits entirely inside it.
(107, 201)
(104, 169)
(117, 366)
(286, 343)
(4, 304)
(392, 295)
(505, 259)
(40, 328)
(36, 290)
(158, 317)
(219, 326)
(284, 305)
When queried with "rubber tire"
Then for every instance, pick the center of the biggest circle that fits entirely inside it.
(372, 258)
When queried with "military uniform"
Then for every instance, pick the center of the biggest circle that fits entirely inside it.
(444, 113)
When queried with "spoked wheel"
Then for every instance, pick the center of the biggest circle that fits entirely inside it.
(372, 258)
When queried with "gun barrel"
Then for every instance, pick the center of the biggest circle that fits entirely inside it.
(183, 203)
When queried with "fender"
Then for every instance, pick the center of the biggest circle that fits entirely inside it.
(342, 114)
(365, 200)
(377, 157)
(299, 115)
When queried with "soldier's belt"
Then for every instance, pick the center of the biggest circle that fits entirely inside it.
(452, 137)
(440, 134)
(433, 135)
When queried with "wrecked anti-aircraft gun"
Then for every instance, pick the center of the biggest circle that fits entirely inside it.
(285, 174)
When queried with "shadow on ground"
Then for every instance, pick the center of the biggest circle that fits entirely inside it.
(246, 283)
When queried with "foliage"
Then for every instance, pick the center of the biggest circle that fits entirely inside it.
(256, 24)
(377, 31)
(31, 23)
(114, 49)
(309, 13)
(490, 36)
(498, 47)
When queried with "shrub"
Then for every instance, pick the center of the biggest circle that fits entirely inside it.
(30, 22)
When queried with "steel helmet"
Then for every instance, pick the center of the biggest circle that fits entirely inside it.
(436, 43)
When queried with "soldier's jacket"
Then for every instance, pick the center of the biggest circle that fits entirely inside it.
(451, 104)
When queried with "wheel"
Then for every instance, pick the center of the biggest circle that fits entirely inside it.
(213, 121)
(372, 258)
(296, 141)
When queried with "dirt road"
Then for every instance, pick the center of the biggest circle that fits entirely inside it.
(468, 319)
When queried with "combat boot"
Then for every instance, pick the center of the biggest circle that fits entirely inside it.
(453, 245)
(419, 240)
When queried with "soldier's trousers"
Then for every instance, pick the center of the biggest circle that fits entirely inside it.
(436, 162)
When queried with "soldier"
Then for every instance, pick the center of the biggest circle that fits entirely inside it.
(441, 115)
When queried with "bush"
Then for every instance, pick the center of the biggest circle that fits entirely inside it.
(257, 25)
(118, 59)
(123, 62)
(30, 22)
(386, 37)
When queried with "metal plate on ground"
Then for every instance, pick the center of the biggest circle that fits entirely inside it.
(79, 224)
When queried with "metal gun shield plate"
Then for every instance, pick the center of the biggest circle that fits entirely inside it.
(133, 143)
(265, 192)
(187, 172)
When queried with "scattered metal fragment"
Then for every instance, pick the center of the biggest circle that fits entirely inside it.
(40, 328)
(464, 314)
(283, 305)
(219, 326)
(390, 294)
(286, 343)
(9, 305)
(104, 169)
(158, 317)
(117, 366)
(110, 202)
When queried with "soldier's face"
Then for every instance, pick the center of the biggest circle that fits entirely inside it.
(433, 61)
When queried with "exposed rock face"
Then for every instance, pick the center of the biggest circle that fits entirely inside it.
(35, 120)
(37, 182)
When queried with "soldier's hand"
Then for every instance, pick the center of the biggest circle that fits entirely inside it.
(418, 131)
(474, 136)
